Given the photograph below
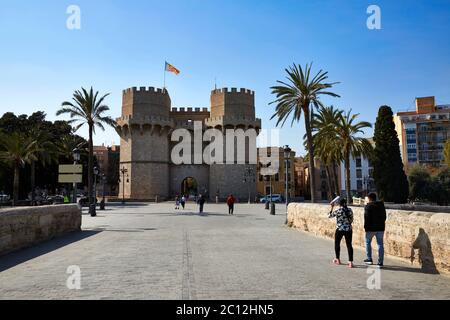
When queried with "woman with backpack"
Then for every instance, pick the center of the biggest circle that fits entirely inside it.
(344, 220)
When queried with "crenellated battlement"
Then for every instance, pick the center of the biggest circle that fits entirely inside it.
(188, 110)
(233, 91)
(146, 90)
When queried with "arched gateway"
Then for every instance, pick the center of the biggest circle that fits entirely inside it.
(189, 187)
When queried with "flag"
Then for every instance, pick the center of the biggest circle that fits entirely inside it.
(171, 68)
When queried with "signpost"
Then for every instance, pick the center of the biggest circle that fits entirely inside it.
(71, 173)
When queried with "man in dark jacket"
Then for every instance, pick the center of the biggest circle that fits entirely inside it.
(374, 225)
(201, 203)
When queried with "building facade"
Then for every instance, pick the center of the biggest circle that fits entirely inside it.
(146, 129)
(361, 176)
(108, 158)
(423, 132)
(276, 179)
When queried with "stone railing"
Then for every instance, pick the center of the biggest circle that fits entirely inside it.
(27, 226)
(420, 237)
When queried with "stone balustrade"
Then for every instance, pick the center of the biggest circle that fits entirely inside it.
(420, 237)
(27, 226)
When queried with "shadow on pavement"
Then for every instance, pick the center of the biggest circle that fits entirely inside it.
(15, 258)
(393, 268)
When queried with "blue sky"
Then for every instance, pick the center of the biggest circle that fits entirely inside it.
(241, 43)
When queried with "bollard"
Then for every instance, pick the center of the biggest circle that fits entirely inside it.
(102, 205)
(217, 199)
(267, 205)
(272, 208)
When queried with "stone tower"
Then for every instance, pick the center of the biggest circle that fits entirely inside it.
(144, 148)
(233, 109)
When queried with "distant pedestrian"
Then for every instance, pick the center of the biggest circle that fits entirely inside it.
(201, 202)
(177, 203)
(344, 220)
(374, 225)
(183, 202)
(230, 202)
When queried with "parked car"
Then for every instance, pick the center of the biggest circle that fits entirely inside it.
(58, 199)
(4, 198)
(277, 198)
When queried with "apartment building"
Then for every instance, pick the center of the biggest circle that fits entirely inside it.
(423, 132)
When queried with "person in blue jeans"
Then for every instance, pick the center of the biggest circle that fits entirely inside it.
(374, 225)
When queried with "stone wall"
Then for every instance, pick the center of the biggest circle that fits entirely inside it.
(423, 237)
(24, 227)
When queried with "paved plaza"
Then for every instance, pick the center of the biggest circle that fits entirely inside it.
(151, 251)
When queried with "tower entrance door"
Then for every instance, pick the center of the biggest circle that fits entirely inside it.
(189, 187)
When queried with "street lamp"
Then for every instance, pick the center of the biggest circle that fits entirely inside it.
(123, 171)
(102, 203)
(93, 204)
(287, 155)
(76, 158)
(366, 182)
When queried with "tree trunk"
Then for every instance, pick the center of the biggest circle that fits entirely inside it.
(330, 183)
(309, 139)
(337, 180)
(91, 167)
(347, 178)
(33, 180)
(16, 185)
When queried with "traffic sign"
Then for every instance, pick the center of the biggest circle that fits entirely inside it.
(70, 178)
(71, 168)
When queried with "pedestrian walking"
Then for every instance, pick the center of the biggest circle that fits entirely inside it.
(183, 202)
(344, 220)
(230, 202)
(201, 202)
(177, 203)
(374, 225)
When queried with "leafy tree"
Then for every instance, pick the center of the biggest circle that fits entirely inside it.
(298, 96)
(42, 172)
(44, 152)
(87, 108)
(419, 180)
(389, 176)
(342, 128)
(325, 148)
(447, 153)
(15, 150)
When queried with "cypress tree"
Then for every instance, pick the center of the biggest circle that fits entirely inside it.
(389, 176)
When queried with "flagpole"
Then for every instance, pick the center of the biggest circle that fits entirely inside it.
(164, 87)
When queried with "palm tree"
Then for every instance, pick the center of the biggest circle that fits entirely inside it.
(44, 152)
(326, 149)
(68, 143)
(345, 130)
(299, 95)
(88, 108)
(16, 150)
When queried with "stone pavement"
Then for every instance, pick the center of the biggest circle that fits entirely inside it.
(150, 251)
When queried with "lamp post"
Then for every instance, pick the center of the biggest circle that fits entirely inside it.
(366, 184)
(76, 158)
(287, 155)
(123, 171)
(94, 204)
(102, 203)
